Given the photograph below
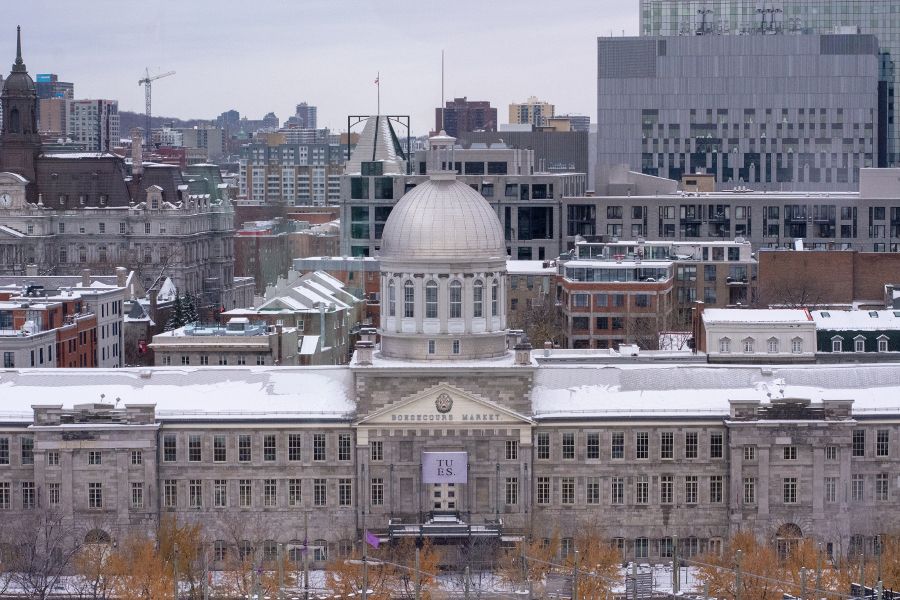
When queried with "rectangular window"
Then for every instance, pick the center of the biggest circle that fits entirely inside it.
(4, 450)
(270, 493)
(568, 446)
(617, 490)
(220, 493)
(5, 494)
(345, 492)
(789, 487)
(882, 439)
(881, 487)
(320, 496)
(137, 457)
(53, 458)
(512, 491)
(95, 495)
(789, 452)
(666, 489)
(376, 450)
(593, 446)
(170, 448)
(319, 446)
(749, 453)
(831, 489)
(245, 452)
(830, 452)
(543, 446)
(377, 491)
(294, 446)
(642, 445)
(95, 457)
(194, 448)
(543, 490)
(512, 449)
(53, 494)
(716, 489)
(28, 497)
(245, 493)
(749, 490)
(691, 487)
(716, 445)
(137, 495)
(170, 493)
(593, 490)
(617, 444)
(859, 442)
(295, 492)
(28, 451)
(857, 484)
(642, 490)
(270, 451)
(690, 444)
(667, 445)
(344, 446)
(641, 548)
(219, 452)
(195, 493)
(567, 490)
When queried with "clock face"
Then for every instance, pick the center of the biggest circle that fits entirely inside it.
(5, 200)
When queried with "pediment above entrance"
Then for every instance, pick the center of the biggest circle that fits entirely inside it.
(444, 405)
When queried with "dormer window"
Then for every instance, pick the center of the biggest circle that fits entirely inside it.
(797, 345)
(882, 343)
(749, 346)
(837, 344)
(725, 345)
(859, 344)
(772, 345)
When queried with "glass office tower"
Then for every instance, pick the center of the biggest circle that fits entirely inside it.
(771, 17)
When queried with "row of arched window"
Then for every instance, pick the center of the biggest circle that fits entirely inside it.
(454, 299)
(773, 345)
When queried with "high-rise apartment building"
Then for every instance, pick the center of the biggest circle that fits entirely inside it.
(94, 123)
(462, 115)
(533, 111)
(755, 17)
(305, 116)
(301, 174)
(776, 112)
(53, 116)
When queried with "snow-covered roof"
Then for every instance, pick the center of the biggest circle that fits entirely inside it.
(530, 267)
(857, 320)
(582, 391)
(200, 393)
(749, 315)
(167, 291)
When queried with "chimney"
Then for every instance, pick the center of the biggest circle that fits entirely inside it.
(364, 353)
(137, 152)
(367, 334)
(121, 276)
(153, 294)
(548, 346)
(85, 278)
(512, 337)
(523, 354)
(699, 329)
(31, 270)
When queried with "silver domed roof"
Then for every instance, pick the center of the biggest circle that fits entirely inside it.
(442, 220)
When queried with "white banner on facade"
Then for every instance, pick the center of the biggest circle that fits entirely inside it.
(444, 467)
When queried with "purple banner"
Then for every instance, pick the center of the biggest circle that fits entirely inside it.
(444, 467)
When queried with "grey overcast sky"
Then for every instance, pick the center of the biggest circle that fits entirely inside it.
(268, 55)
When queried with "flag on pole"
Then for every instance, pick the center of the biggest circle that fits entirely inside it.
(377, 77)
(372, 539)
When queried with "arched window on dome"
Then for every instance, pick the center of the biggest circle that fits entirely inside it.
(478, 299)
(431, 300)
(392, 300)
(495, 294)
(409, 299)
(456, 300)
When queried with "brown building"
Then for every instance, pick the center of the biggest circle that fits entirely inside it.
(825, 279)
(54, 117)
(461, 115)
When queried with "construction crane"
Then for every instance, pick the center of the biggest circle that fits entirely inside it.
(146, 81)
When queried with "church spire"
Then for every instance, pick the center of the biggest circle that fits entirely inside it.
(19, 65)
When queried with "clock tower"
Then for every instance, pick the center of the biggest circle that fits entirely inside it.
(20, 143)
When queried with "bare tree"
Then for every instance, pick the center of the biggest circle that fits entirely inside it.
(541, 321)
(43, 546)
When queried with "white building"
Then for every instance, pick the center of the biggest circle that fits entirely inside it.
(764, 335)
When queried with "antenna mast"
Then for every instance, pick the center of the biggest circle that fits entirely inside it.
(443, 104)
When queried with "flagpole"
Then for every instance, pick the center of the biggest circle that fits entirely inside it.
(378, 81)
(365, 541)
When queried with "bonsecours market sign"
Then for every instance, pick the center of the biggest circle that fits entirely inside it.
(446, 417)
